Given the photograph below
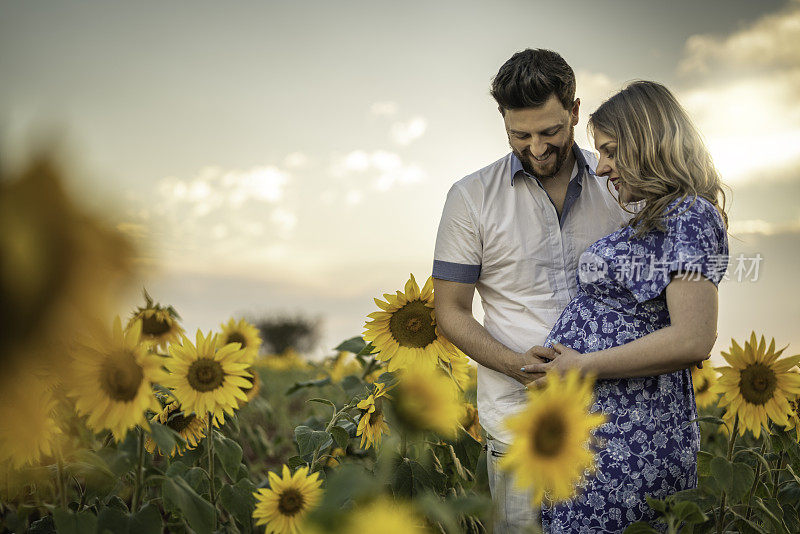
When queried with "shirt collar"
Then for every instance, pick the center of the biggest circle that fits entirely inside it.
(583, 166)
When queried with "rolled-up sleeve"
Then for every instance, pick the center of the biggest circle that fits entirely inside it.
(459, 250)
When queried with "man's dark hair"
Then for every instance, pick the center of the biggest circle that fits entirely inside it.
(530, 77)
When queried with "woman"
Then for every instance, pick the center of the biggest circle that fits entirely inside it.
(646, 310)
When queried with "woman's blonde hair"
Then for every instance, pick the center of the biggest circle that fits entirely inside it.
(659, 151)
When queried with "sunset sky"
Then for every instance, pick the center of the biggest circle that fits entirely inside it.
(294, 156)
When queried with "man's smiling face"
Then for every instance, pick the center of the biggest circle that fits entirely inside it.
(542, 137)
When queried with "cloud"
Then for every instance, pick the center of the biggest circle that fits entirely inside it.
(762, 227)
(773, 40)
(295, 160)
(403, 133)
(387, 169)
(385, 108)
(742, 92)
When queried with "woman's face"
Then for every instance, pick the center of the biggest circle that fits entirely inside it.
(607, 147)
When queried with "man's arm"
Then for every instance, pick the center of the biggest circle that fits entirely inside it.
(692, 305)
(453, 301)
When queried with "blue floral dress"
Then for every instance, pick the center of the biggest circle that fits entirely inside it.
(646, 447)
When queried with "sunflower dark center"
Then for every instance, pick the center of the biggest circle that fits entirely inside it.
(704, 385)
(121, 376)
(290, 502)
(236, 337)
(549, 436)
(757, 383)
(205, 374)
(412, 325)
(178, 422)
(153, 326)
(374, 417)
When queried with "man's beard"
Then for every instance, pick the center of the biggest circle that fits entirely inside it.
(552, 169)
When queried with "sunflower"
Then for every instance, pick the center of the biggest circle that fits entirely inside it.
(386, 515)
(28, 430)
(550, 450)
(794, 417)
(372, 426)
(112, 377)
(191, 427)
(343, 364)
(702, 380)
(405, 331)
(252, 391)
(243, 333)
(460, 370)
(207, 379)
(58, 266)
(757, 386)
(428, 400)
(337, 452)
(283, 507)
(471, 423)
(286, 360)
(159, 324)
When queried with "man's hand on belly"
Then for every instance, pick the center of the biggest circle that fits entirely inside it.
(513, 367)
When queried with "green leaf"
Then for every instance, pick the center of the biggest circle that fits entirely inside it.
(368, 350)
(309, 384)
(703, 461)
(296, 461)
(352, 385)
(309, 440)
(707, 419)
(772, 512)
(229, 453)
(164, 436)
(410, 478)
(69, 522)
(112, 520)
(640, 527)
(688, 512)
(657, 504)
(742, 481)
(198, 512)
(146, 521)
(239, 501)
(323, 401)
(341, 436)
(354, 345)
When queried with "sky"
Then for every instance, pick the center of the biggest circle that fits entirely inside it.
(293, 157)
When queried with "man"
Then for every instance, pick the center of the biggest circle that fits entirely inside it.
(515, 230)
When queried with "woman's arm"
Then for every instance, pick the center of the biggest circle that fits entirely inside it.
(692, 306)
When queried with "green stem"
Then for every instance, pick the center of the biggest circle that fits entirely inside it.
(137, 485)
(731, 442)
(210, 445)
(781, 465)
(62, 486)
(755, 480)
(316, 456)
(403, 446)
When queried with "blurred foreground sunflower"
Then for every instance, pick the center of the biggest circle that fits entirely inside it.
(372, 426)
(550, 447)
(702, 382)
(28, 430)
(111, 379)
(386, 515)
(471, 423)
(758, 384)
(243, 333)
(159, 324)
(191, 427)
(207, 379)
(59, 265)
(405, 331)
(284, 505)
(427, 400)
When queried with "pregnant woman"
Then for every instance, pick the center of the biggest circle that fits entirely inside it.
(645, 312)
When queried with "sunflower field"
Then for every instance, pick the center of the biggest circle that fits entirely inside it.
(130, 424)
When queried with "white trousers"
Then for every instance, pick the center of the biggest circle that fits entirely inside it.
(513, 513)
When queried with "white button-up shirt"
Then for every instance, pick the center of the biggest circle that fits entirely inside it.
(501, 231)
